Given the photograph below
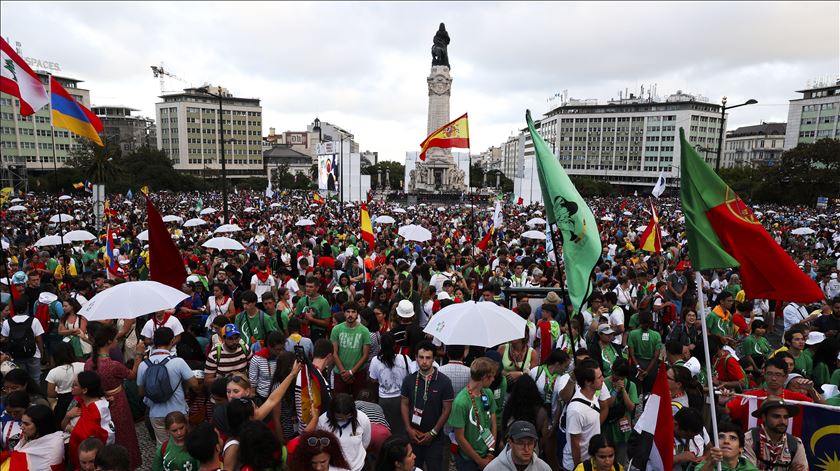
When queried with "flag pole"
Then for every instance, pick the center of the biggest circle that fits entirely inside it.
(701, 314)
(55, 178)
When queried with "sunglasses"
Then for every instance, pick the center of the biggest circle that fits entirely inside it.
(236, 379)
(315, 441)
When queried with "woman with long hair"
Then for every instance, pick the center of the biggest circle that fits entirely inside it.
(351, 426)
(19, 380)
(41, 441)
(91, 414)
(525, 403)
(370, 319)
(685, 390)
(172, 455)
(388, 370)
(112, 374)
(220, 304)
(284, 416)
(73, 329)
(571, 340)
(518, 358)
(60, 378)
(396, 455)
(318, 450)
(259, 449)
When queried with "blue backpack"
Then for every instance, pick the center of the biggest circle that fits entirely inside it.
(157, 386)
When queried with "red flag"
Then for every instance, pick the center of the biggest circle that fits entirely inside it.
(165, 265)
(520, 201)
(18, 79)
(485, 241)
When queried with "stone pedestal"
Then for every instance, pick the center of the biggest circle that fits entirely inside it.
(439, 172)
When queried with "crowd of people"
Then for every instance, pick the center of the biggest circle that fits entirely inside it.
(306, 351)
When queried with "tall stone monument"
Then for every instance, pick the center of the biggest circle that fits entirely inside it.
(438, 173)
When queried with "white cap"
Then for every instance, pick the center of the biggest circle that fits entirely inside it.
(814, 338)
(693, 365)
(443, 295)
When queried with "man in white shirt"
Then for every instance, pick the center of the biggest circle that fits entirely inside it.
(442, 274)
(263, 281)
(583, 415)
(162, 319)
(616, 314)
(797, 314)
(718, 284)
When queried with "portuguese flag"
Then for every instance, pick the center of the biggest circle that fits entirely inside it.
(722, 232)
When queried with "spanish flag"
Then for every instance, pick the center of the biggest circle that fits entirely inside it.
(317, 198)
(454, 134)
(367, 227)
(651, 239)
(67, 113)
(79, 185)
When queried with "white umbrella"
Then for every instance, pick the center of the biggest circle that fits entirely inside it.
(195, 222)
(803, 231)
(770, 211)
(305, 222)
(48, 241)
(538, 235)
(627, 213)
(16, 200)
(79, 236)
(385, 220)
(250, 209)
(223, 243)
(481, 324)
(144, 236)
(415, 232)
(62, 217)
(399, 210)
(227, 228)
(412, 208)
(275, 205)
(607, 218)
(441, 209)
(65, 197)
(131, 300)
(206, 211)
(17, 207)
(535, 221)
(173, 218)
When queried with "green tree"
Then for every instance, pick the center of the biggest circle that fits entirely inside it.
(98, 164)
(804, 173)
(394, 171)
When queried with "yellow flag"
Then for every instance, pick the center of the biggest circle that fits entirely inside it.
(4, 194)
(145, 189)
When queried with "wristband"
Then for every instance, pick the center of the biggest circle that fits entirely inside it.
(433, 432)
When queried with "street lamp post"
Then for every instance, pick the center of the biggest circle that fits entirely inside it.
(206, 90)
(723, 109)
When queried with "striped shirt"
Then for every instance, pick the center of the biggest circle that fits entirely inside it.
(222, 362)
(260, 372)
(374, 413)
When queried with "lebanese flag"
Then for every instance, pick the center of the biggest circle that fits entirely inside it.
(656, 428)
(44, 453)
(651, 239)
(18, 79)
(723, 233)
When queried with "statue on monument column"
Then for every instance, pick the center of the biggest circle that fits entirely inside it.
(439, 54)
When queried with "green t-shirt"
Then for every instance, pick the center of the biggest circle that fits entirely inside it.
(804, 362)
(176, 458)
(743, 465)
(88, 257)
(634, 321)
(718, 326)
(756, 346)
(351, 342)
(282, 318)
(255, 328)
(645, 344)
(321, 308)
(835, 377)
(464, 416)
(611, 429)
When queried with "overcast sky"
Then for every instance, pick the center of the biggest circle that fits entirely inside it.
(363, 66)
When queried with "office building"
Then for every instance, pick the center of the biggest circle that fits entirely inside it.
(130, 132)
(815, 115)
(750, 146)
(188, 131)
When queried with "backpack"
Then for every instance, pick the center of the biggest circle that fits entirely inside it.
(21, 343)
(792, 445)
(561, 437)
(157, 386)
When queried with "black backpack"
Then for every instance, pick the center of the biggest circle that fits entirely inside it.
(561, 443)
(792, 445)
(21, 342)
(156, 382)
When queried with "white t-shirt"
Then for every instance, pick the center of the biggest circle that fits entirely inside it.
(794, 313)
(63, 376)
(583, 420)
(261, 287)
(37, 329)
(353, 445)
(173, 323)
(390, 379)
(293, 288)
(617, 318)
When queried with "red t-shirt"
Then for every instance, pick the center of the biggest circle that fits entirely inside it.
(739, 409)
(729, 369)
(741, 323)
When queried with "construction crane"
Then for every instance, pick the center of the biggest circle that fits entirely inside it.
(161, 73)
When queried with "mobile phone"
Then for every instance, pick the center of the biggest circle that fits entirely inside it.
(300, 354)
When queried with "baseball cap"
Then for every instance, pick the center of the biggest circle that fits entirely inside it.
(605, 329)
(231, 330)
(522, 429)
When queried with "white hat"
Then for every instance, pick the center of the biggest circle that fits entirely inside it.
(814, 338)
(693, 365)
(834, 276)
(405, 309)
(443, 295)
(336, 289)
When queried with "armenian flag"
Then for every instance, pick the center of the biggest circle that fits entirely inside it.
(452, 134)
(67, 113)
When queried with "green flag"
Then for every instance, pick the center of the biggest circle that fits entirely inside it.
(199, 205)
(575, 221)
